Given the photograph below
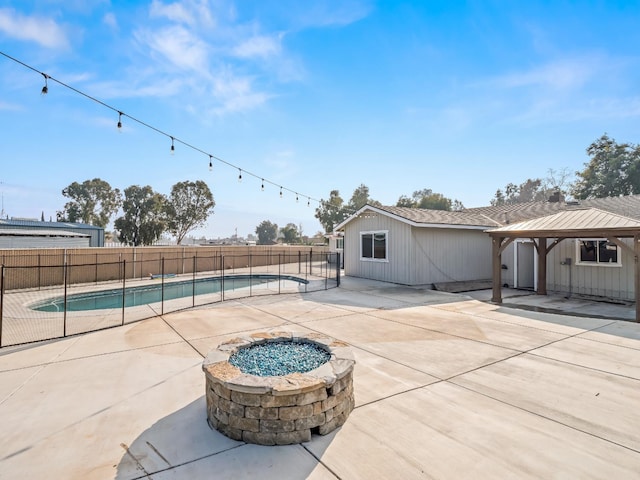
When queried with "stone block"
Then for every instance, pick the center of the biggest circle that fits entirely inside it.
(293, 413)
(221, 390)
(250, 424)
(317, 408)
(316, 395)
(310, 422)
(236, 409)
(259, 438)
(268, 401)
(275, 426)
(225, 405)
(233, 433)
(246, 399)
(261, 413)
(221, 416)
(288, 438)
(213, 400)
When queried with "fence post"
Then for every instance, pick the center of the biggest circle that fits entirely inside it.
(39, 272)
(279, 273)
(338, 269)
(222, 278)
(66, 277)
(250, 276)
(162, 286)
(1, 298)
(299, 262)
(311, 261)
(124, 287)
(193, 297)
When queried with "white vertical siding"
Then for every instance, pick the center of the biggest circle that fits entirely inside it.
(449, 255)
(603, 281)
(417, 255)
(396, 268)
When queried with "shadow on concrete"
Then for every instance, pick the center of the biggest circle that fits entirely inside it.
(182, 445)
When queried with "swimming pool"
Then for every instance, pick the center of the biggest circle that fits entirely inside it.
(146, 294)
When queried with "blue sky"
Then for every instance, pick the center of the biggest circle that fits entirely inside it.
(458, 97)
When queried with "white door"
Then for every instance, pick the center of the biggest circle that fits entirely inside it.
(525, 269)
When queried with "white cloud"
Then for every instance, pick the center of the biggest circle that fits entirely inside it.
(187, 12)
(258, 46)
(43, 31)
(563, 74)
(110, 20)
(178, 45)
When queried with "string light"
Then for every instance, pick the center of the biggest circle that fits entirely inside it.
(45, 89)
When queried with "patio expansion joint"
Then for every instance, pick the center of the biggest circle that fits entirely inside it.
(529, 352)
(193, 460)
(485, 317)
(545, 417)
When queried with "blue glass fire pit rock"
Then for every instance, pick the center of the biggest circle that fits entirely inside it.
(272, 359)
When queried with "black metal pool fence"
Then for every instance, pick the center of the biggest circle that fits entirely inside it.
(27, 291)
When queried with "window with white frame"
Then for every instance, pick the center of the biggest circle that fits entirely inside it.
(597, 252)
(340, 243)
(373, 246)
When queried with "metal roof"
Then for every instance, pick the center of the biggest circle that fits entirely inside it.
(420, 217)
(4, 223)
(502, 215)
(572, 222)
(18, 232)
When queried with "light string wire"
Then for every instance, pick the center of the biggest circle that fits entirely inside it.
(173, 138)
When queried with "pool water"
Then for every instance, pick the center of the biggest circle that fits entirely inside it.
(144, 295)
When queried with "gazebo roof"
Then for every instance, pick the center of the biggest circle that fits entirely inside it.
(572, 223)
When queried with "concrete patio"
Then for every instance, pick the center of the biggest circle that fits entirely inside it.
(446, 386)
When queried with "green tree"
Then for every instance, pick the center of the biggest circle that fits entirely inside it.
(93, 202)
(188, 206)
(614, 169)
(554, 187)
(360, 198)
(143, 221)
(529, 191)
(428, 199)
(290, 233)
(267, 232)
(331, 212)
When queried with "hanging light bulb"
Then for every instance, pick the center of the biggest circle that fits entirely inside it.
(210, 163)
(120, 121)
(308, 202)
(280, 192)
(296, 197)
(173, 148)
(45, 89)
(262, 186)
(240, 175)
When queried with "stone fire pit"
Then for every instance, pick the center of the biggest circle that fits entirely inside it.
(278, 410)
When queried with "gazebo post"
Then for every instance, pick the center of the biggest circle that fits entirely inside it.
(496, 256)
(542, 266)
(636, 248)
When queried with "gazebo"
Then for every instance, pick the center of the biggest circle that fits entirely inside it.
(585, 223)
